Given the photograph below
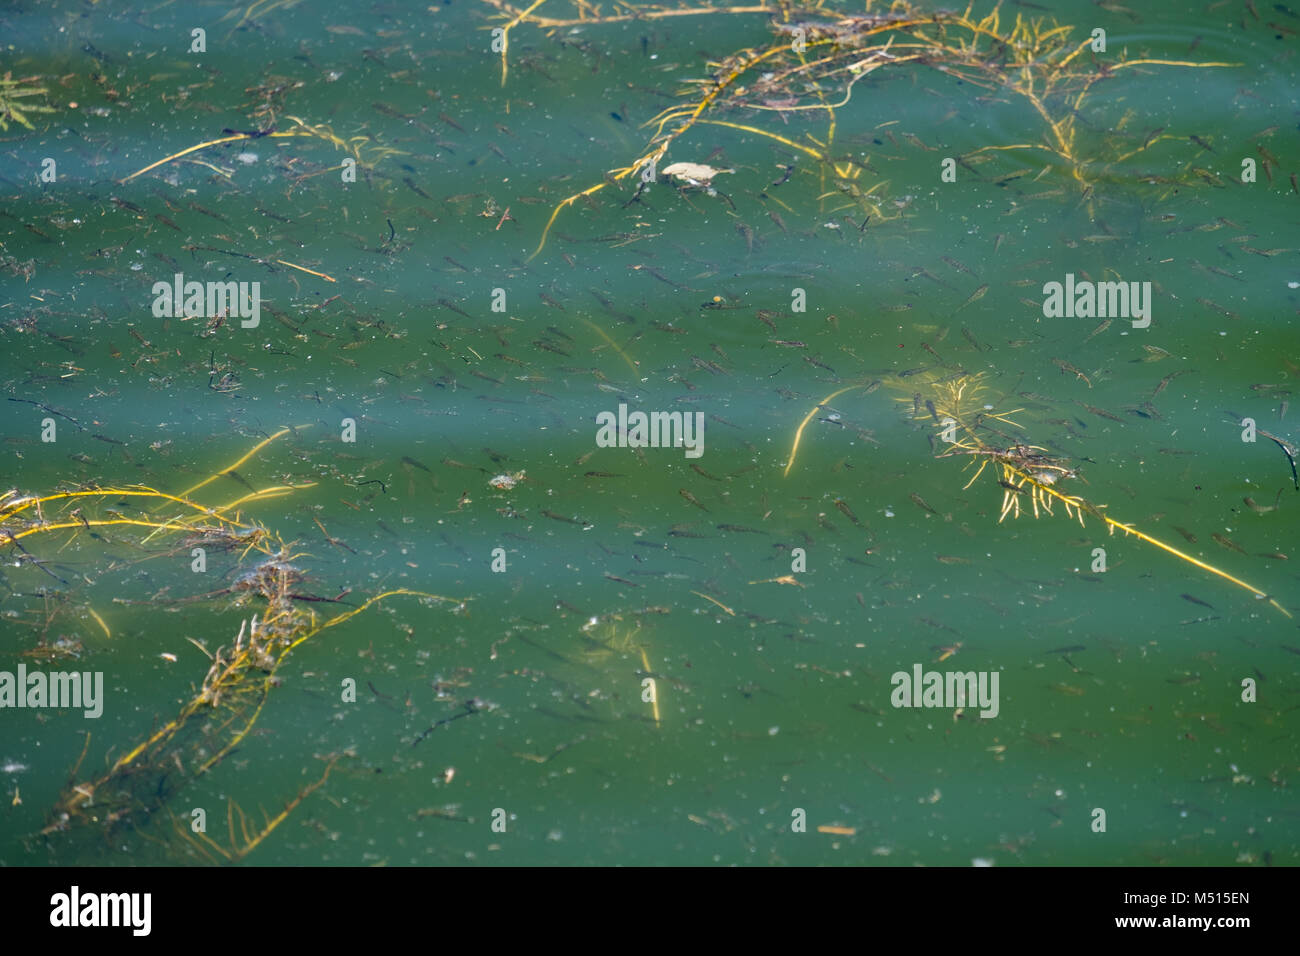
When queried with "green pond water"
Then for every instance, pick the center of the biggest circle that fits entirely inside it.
(625, 565)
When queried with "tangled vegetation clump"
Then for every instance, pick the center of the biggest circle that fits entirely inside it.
(966, 425)
(817, 56)
(223, 709)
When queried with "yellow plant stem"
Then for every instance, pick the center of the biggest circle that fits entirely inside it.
(1079, 503)
(798, 434)
(231, 467)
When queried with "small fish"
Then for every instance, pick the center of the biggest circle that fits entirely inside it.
(1101, 412)
(739, 528)
(1189, 679)
(1164, 382)
(1065, 366)
(929, 348)
(1228, 543)
(844, 508)
(713, 367)
(1256, 507)
(958, 266)
(548, 347)
(920, 503)
(974, 297)
(1208, 176)
(1191, 538)
(1145, 410)
(455, 308)
(566, 520)
(452, 462)
(691, 498)
(411, 185)
(1217, 308)
(950, 559)
(1098, 330)
(1196, 600)
(1201, 143)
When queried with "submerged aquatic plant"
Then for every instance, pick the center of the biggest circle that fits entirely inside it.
(817, 57)
(11, 92)
(226, 705)
(956, 403)
(365, 150)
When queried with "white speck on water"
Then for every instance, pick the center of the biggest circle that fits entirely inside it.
(12, 766)
(248, 159)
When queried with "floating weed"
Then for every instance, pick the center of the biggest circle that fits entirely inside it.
(223, 710)
(244, 841)
(11, 91)
(1026, 473)
(957, 405)
(818, 56)
(364, 149)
